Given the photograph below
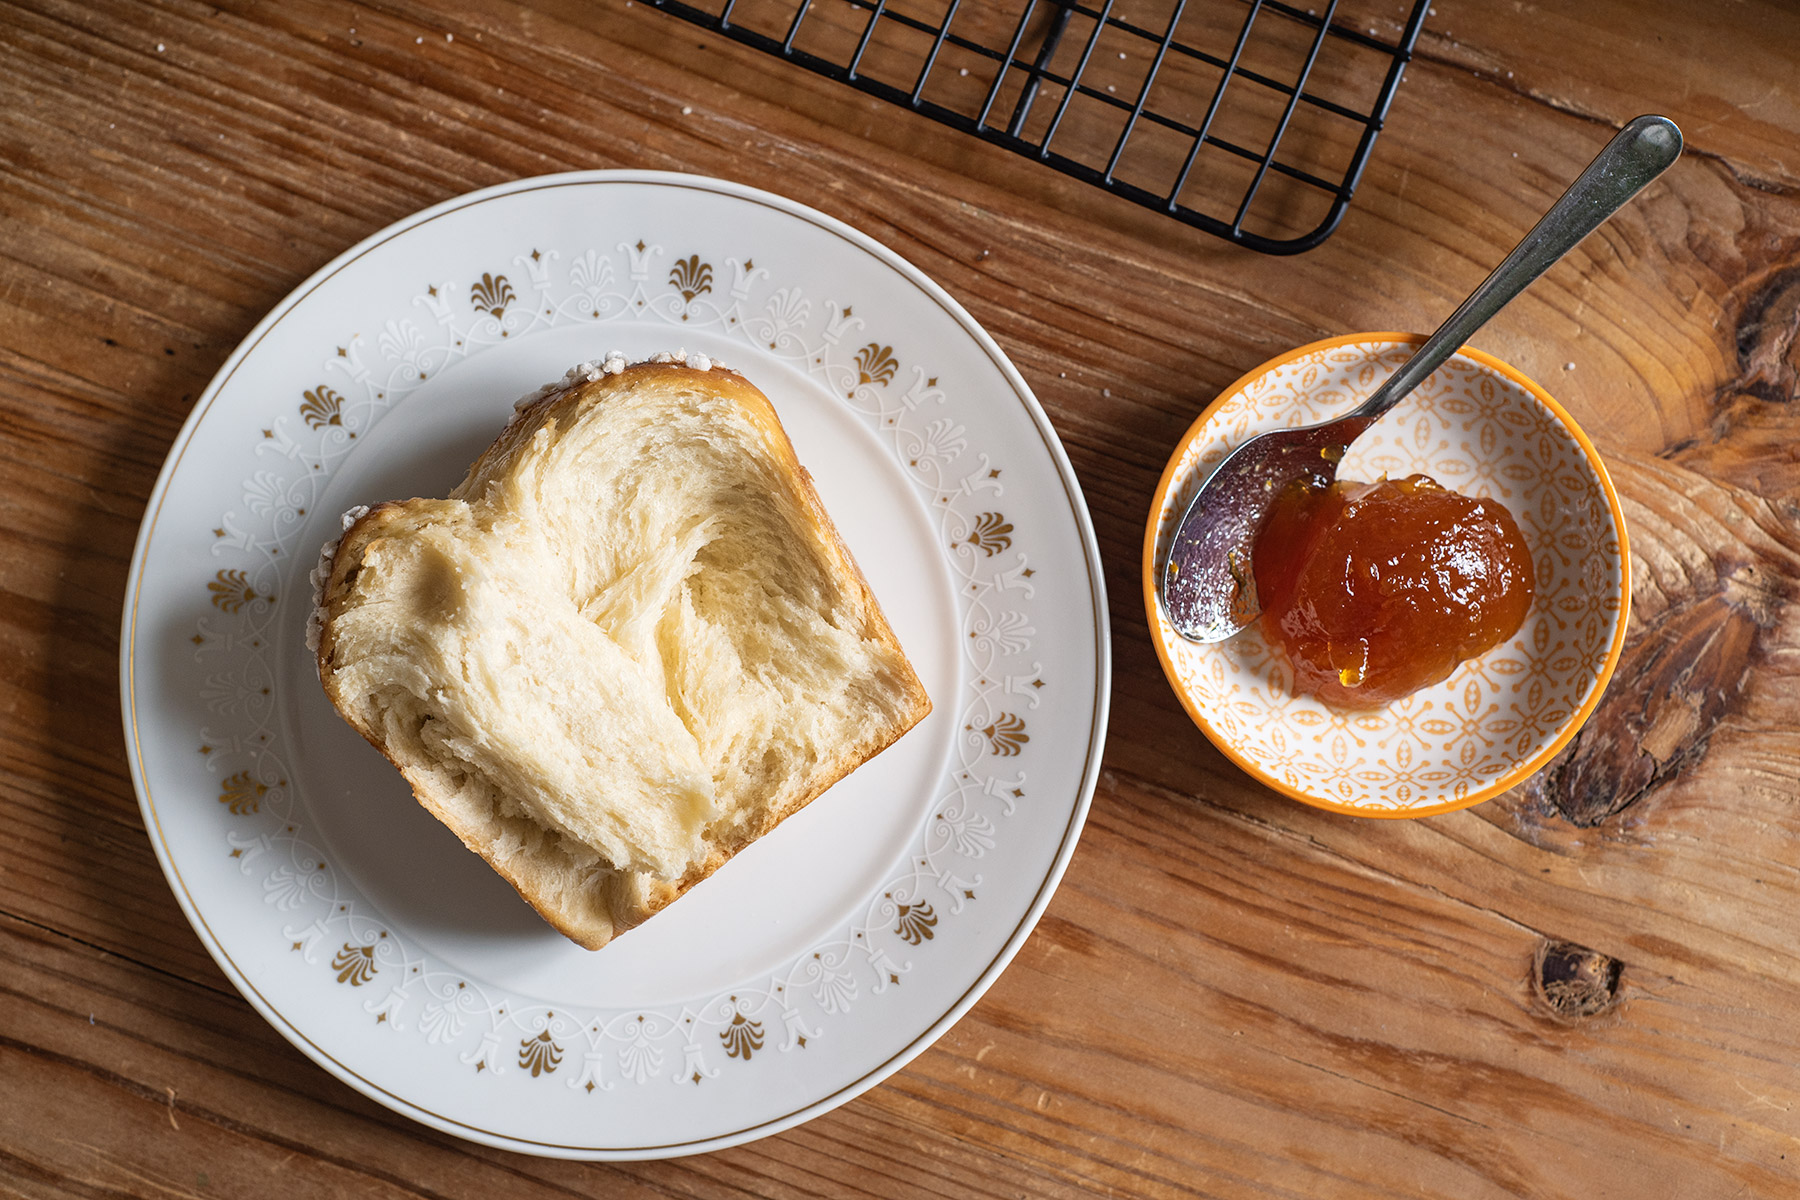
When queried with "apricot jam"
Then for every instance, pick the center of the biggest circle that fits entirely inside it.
(1375, 590)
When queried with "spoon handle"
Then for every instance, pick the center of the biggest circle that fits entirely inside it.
(1639, 153)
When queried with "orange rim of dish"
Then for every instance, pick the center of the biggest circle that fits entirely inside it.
(1519, 772)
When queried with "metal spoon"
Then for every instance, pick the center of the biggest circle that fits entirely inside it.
(1207, 588)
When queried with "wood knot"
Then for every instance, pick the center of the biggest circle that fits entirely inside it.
(1675, 683)
(1573, 982)
(1754, 414)
(1768, 339)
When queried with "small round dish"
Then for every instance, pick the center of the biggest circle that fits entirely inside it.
(1482, 428)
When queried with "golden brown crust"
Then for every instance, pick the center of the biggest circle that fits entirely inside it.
(628, 898)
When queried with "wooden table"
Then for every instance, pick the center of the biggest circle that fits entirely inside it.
(1231, 994)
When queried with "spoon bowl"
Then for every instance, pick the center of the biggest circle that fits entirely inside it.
(1236, 497)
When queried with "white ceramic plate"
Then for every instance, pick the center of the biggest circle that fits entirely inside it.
(813, 965)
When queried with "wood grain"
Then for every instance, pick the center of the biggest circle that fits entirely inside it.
(1231, 995)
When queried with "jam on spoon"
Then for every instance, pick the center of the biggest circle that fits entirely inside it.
(1375, 590)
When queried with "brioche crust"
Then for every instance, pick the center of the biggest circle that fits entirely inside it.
(593, 872)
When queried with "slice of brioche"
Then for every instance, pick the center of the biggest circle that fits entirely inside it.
(627, 645)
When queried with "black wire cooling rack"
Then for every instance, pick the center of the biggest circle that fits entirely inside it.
(1250, 119)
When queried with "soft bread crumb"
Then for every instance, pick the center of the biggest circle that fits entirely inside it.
(628, 644)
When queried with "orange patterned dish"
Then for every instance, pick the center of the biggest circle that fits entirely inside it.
(1481, 429)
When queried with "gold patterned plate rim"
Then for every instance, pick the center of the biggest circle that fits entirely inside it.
(991, 480)
(1178, 472)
